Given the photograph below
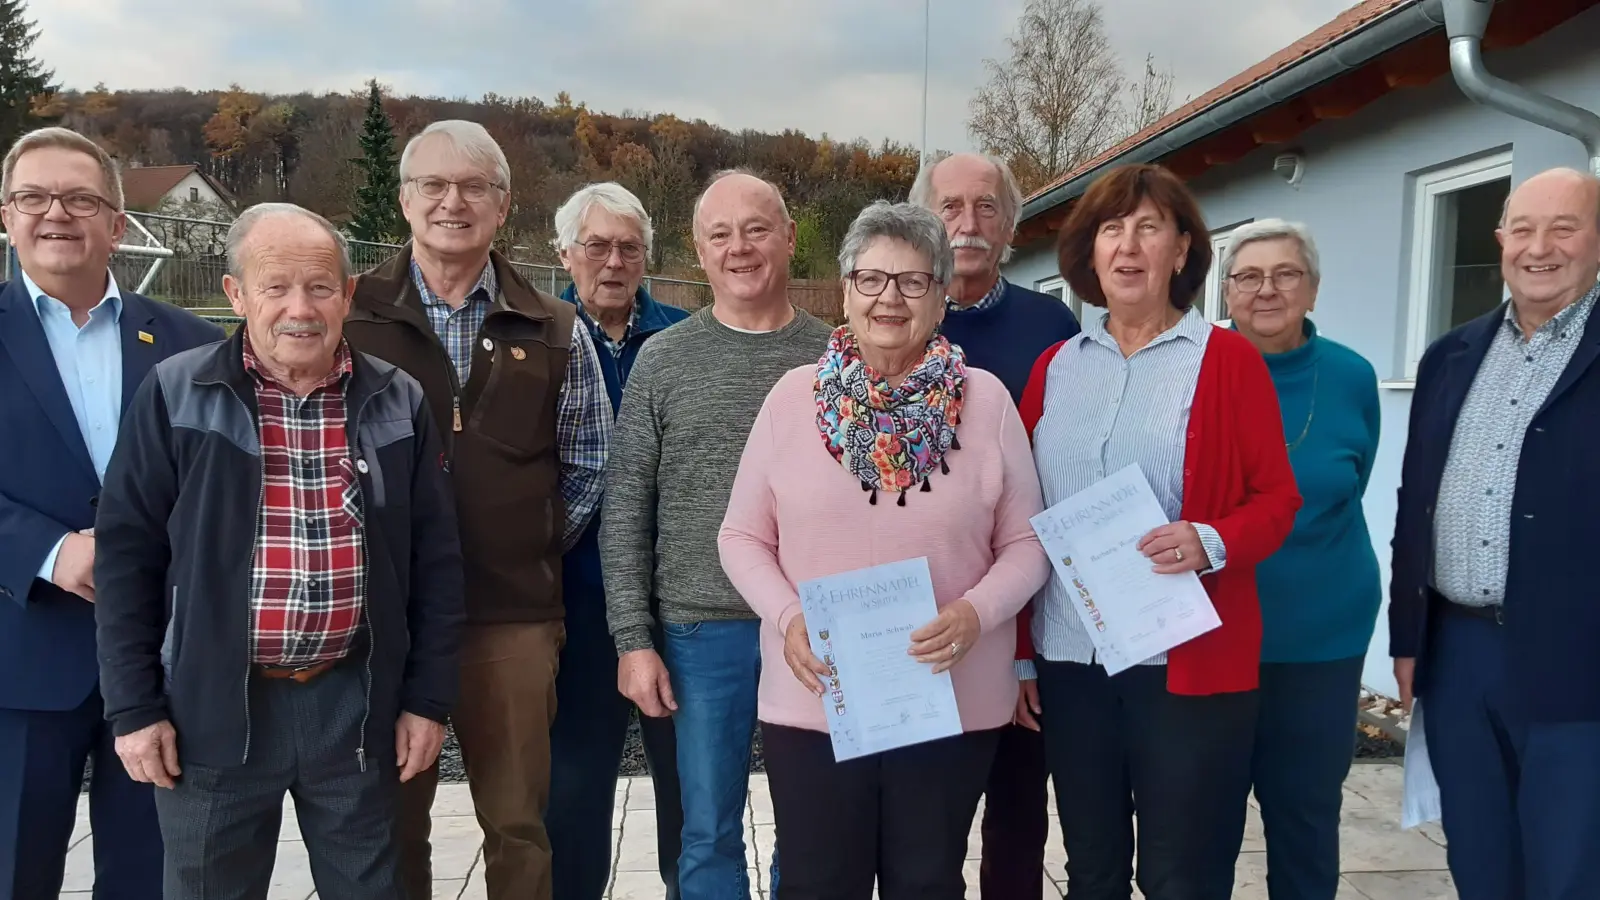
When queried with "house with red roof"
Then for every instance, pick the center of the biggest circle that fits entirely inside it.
(1362, 131)
(148, 188)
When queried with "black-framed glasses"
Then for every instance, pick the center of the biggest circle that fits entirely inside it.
(872, 282)
(474, 191)
(598, 250)
(78, 205)
(1252, 282)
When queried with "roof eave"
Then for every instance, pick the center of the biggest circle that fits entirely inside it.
(1362, 45)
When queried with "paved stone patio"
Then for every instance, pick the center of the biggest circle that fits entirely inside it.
(1380, 862)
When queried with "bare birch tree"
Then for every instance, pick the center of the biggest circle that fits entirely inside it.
(1061, 96)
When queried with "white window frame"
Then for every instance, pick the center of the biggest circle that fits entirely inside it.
(1214, 304)
(1429, 218)
(1072, 300)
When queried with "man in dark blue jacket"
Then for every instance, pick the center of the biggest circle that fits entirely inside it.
(604, 237)
(73, 349)
(1494, 613)
(280, 582)
(1003, 328)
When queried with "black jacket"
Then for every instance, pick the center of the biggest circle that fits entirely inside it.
(175, 541)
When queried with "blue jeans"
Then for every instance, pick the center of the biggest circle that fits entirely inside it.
(1521, 799)
(715, 668)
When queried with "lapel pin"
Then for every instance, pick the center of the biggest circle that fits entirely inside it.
(147, 337)
(518, 353)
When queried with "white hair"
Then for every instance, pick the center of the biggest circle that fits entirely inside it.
(906, 222)
(1271, 230)
(240, 230)
(725, 173)
(1010, 192)
(470, 140)
(609, 196)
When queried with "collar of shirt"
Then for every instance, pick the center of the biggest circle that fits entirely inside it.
(485, 291)
(987, 301)
(44, 303)
(342, 366)
(601, 335)
(1576, 314)
(1192, 327)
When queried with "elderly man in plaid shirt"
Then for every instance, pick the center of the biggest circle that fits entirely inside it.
(515, 383)
(279, 581)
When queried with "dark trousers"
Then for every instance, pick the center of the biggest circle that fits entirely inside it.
(900, 817)
(1521, 800)
(1305, 741)
(221, 824)
(1119, 743)
(1016, 817)
(585, 752)
(42, 757)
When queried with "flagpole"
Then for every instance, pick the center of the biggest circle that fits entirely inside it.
(927, 28)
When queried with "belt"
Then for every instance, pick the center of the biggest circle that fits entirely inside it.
(1494, 612)
(299, 674)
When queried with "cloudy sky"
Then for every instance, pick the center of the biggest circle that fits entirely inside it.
(845, 67)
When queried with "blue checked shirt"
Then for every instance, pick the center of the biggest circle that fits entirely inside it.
(987, 301)
(583, 412)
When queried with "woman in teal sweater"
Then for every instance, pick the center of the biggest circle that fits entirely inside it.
(1320, 593)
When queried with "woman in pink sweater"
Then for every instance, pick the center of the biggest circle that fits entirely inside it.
(888, 449)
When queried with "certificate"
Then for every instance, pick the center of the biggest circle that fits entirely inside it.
(1130, 612)
(877, 696)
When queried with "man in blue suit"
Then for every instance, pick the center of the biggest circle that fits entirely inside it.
(1494, 613)
(73, 349)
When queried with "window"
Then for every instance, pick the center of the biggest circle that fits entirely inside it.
(1059, 289)
(194, 195)
(1214, 303)
(1455, 260)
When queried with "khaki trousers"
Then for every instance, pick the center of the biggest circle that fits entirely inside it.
(508, 703)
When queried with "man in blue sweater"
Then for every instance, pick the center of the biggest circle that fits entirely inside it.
(603, 235)
(1003, 328)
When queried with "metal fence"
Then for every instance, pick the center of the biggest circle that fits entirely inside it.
(182, 261)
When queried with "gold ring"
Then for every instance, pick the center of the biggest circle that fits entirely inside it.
(1178, 553)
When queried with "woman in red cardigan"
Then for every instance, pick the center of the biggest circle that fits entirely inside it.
(1153, 383)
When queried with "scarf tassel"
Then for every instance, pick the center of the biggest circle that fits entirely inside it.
(944, 467)
(955, 442)
(902, 501)
(926, 487)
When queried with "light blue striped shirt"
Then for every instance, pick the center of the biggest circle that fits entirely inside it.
(1103, 412)
(89, 360)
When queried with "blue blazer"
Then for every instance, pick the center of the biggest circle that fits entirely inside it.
(1552, 602)
(48, 488)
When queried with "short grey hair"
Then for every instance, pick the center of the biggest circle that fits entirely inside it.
(470, 140)
(1270, 230)
(609, 196)
(1010, 191)
(66, 139)
(694, 221)
(907, 222)
(239, 232)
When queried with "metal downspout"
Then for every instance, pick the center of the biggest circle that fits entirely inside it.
(1465, 22)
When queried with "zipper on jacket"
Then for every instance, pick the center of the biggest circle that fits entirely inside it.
(366, 580)
(250, 564)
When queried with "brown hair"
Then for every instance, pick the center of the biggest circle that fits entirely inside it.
(55, 136)
(1116, 194)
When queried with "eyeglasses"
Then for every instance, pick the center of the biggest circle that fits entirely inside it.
(872, 282)
(471, 191)
(77, 205)
(1252, 282)
(598, 250)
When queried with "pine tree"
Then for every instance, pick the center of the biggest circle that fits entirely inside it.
(22, 78)
(377, 214)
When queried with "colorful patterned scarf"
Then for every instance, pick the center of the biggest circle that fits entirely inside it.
(890, 438)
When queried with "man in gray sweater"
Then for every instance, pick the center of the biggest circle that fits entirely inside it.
(694, 393)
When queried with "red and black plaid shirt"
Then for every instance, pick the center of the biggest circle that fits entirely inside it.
(307, 584)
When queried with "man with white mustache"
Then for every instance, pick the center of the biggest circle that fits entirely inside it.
(1004, 328)
(279, 581)
(1493, 619)
(515, 385)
